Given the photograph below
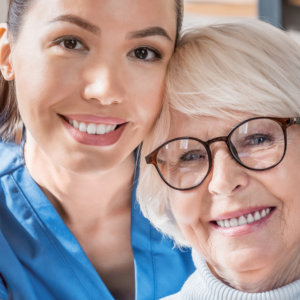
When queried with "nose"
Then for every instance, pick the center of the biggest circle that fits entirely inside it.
(227, 176)
(104, 84)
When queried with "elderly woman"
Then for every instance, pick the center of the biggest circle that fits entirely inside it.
(230, 162)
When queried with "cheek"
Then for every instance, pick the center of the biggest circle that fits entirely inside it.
(48, 84)
(151, 86)
(43, 70)
(287, 191)
(283, 181)
(189, 218)
(191, 210)
(186, 207)
(145, 100)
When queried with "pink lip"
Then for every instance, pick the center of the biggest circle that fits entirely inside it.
(238, 213)
(95, 140)
(95, 119)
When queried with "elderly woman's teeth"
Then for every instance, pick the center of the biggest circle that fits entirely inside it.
(92, 128)
(245, 219)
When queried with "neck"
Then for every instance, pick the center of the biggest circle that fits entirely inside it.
(77, 196)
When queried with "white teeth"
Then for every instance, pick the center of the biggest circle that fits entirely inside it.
(221, 223)
(250, 218)
(82, 127)
(75, 124)
(243, 220)
(226, 223)
(92, 128)
(100, 129)
(110, 128)
(233, 222)
(257, 216)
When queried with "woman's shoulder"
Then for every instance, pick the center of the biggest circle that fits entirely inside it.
(10, 157)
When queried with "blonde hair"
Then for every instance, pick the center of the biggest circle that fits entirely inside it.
(219, 70)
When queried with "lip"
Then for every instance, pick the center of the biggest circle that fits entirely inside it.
(240, 212)
(243, 229)
(95, 119)
(106, 139)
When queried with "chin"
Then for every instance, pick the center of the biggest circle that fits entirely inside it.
(87, 162)
(256, 281)
(249, 270)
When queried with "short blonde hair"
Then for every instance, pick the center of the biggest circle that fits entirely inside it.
(219, 70)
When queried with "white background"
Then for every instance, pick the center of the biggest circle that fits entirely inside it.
(3, 10)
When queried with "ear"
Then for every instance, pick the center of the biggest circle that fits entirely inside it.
(5, 54)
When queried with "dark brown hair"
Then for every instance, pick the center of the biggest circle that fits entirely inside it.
(10, 120)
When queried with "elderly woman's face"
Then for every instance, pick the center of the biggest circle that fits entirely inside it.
(258, 255)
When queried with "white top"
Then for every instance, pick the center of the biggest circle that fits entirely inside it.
(202, 284)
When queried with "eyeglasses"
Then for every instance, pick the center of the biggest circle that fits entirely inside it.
(257, 144)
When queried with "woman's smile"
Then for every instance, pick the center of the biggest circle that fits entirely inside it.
(243, 221)
(100, 132)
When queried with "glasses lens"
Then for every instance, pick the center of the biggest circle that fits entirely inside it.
(258, 144)
(183, 163)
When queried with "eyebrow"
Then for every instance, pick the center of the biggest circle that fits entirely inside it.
(150, 31)
(77, 21)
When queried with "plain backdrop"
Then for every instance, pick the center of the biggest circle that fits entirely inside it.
(3, 10)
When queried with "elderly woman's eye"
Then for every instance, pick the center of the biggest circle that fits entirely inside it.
(258, 140)
(192, 156)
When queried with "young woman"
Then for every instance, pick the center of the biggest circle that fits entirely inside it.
(230, 161)
(82, 85)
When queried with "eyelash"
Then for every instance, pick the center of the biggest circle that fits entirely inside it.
(156, 53)
(75, 39)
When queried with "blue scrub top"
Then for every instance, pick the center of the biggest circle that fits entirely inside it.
(40, 259)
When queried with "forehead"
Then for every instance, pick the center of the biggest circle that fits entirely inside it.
(128, 12)
(203, 127)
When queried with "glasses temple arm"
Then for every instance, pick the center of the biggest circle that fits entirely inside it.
(294, 120)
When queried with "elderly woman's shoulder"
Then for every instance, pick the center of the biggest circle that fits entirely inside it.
(176, 296)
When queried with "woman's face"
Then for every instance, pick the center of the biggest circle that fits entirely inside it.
(257, 256)
(90, 76)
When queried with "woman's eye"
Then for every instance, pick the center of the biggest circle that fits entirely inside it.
(70, 43)
(145, 53)
(258, 140)
(193, 156)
